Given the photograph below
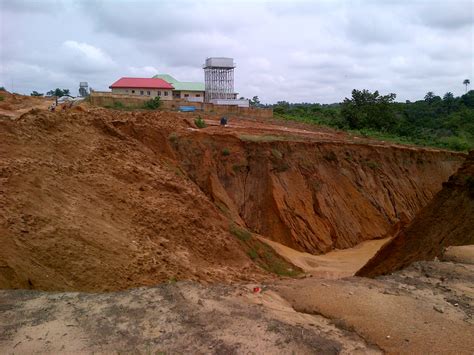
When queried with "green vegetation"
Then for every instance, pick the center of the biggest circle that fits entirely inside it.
(2, 98)
(262, 254)
(446, 122)
(36, 93)
(225, 151)
(241, 233)
(2, 88)
(58, 92)
(200, 123)
(152, 104)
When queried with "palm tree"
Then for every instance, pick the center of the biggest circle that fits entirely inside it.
(466, 82)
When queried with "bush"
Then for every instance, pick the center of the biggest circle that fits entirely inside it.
(200, 123)
(225, 151)
(2, 88)
(118, 105)
(153, 104)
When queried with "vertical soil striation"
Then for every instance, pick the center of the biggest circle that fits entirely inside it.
(447, 220)
(314, 196)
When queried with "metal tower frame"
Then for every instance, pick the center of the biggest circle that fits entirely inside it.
(219, 78)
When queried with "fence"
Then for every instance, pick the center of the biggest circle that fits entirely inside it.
(108, 99)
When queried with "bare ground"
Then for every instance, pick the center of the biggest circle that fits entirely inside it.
(427, 308)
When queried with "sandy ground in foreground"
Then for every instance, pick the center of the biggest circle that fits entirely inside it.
(427, 308)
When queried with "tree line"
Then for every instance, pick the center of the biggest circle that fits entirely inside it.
(446, 121)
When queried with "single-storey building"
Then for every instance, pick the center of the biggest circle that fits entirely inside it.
(187, 90)
(151, 87)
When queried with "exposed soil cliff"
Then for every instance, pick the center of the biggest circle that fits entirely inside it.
(313, 195)
(106, 200)
(446, 221)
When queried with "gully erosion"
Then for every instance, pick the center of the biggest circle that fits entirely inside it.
(314, 196)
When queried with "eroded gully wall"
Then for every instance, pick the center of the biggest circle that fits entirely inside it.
(314, 196)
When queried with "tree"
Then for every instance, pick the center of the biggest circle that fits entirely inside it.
(448, 100)
(369, 110)
(255, 102)
(58, 92)
(36, 93)
(66, 92)
(466, 82)
(429, 97)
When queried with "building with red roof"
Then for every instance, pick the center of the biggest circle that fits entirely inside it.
(151, 87)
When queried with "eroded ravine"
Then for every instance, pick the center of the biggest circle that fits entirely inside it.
(314, 196)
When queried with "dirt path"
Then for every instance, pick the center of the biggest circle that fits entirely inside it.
(333, 265)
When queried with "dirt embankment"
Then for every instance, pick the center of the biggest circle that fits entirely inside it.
(313, 194)
(448, 220)
(95, 199)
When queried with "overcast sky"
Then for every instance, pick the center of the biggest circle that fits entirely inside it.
(298, 51)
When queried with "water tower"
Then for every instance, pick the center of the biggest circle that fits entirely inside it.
(219, 78)
(83, 88)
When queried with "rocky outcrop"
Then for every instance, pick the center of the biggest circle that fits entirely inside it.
(448, 220)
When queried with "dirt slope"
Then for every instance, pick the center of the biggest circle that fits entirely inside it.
(447, 220)
(85, 207)
(312, 191)
(95, 199)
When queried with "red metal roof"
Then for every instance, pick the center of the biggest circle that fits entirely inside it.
(143, 83)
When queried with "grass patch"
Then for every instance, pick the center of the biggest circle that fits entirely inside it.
(252, 253)
(263, 255)
(372, 164)
(277, 154)
(200, 123)
(241, 233)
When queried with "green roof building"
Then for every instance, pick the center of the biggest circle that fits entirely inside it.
(190, 91)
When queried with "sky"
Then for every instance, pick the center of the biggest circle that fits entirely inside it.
(297, 51)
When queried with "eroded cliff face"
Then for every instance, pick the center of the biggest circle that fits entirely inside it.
(314, 196)
(448, 220)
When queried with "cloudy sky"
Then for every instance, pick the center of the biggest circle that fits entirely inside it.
(298, 51)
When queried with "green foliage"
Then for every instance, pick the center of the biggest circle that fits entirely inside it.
(36, 93)
(118, 105)
(369, 110)
(277, 154)
(255, 102)
(241, 233)
(225, 151)
(2, 98)
(58, 92)
(446, 122)
(2, 88)
(252, 253)
(152, 104)
(200, 123)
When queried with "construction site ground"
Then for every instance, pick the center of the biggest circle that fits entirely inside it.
(111, 243)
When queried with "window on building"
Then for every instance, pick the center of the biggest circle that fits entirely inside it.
(158, 93)
(186, 95)
(141, 92)
(148, 93)
(166, 93)
(133, 91)
(198, 95)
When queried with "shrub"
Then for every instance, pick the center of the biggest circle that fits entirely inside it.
(252, 253)
(153, 104)
(2, 88)
(225, 151)
(118, 105)
(200, 123)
